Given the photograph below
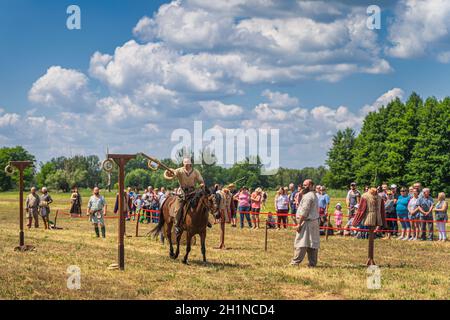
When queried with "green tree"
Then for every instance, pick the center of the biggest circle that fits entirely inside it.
(430, 161)
(138, 178)
(15, 154)
(340, 160)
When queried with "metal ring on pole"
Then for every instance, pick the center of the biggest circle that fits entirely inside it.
(108, 165)
(9, 170)
(153, 165)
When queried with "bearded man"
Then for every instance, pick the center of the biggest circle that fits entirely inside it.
(32, 208)
(188, 177)
(307, 239)
(371, 214)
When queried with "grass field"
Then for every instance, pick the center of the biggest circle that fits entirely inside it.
(409, 270)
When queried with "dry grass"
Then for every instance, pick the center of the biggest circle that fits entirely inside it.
(409, 270)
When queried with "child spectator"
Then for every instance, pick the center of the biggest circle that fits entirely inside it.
(338, 215)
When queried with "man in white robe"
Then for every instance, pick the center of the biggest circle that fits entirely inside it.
(307, 239)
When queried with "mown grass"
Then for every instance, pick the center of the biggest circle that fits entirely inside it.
(410, 270)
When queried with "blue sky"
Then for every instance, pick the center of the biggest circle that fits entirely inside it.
(306, 68)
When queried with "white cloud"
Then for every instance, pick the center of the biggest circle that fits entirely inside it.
(280, 100)
(217, 109)
(420, 27)
(383, 100)
(59, 87)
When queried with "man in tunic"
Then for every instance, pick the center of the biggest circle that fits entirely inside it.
(44, 206)
(32, 208)
(307, 239)
(371, 214)
(188, 177)
(97, 210)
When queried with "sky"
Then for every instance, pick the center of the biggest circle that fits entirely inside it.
(137, 72)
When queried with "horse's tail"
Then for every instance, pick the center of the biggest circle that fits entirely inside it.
(157, 230)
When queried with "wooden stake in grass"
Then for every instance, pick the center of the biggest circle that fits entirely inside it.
(121, 160)
(21, 166)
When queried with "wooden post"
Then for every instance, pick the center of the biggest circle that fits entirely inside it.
(370, 260)
(121, 160)
(21, 166)
(137, 223)
(56, 217)
(265, 238)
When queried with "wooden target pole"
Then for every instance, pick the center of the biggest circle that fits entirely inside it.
(121, 160)
(20, 166)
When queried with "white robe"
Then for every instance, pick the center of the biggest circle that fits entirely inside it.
(309, 236)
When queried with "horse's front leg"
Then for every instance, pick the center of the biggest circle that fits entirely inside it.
(177, 252)
(188, 247)
(169, 237)
(203, 242)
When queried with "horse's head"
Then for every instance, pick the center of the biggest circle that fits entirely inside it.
(211, 200)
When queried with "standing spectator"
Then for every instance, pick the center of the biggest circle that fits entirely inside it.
(225, 204)
(411, 191)
(32, 208)
(292, 203)
(130, 197)
(402, 214)
(352, 200)
(318, 190)
(383, 191)
(324, 204)
(425, 205)
(395, 195)
(234, 204)
(338, 216)
(418, 186)
(243, 198)
(256, 198)
(413, 210)
(44, 206)
(307, 239)
(440, 211)
(75, 202)
(390, 213)
(138, 203)
(161, 196)
(298, 197)
(96, 211)
(282, 207)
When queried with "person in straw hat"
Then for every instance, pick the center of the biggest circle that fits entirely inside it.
(188, 177)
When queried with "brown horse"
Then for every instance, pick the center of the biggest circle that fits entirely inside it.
(200, 204)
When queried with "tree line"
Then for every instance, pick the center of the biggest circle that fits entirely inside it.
(400, 143)
(63, 173)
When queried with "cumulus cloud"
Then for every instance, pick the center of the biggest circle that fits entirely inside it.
(280, 100)
(383, 100)
(420, 27)
(237, 41)
(60, 87)
(217, 109)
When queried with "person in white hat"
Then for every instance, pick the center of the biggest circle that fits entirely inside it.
(188, 178)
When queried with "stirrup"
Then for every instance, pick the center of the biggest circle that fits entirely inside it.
(178, 230)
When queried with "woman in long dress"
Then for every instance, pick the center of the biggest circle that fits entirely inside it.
(75, 202)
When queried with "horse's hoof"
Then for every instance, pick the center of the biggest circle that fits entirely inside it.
(186, 263)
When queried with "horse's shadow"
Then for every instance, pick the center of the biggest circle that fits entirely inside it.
(216, 265)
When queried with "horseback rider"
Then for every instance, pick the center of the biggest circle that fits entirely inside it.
(187, 177)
